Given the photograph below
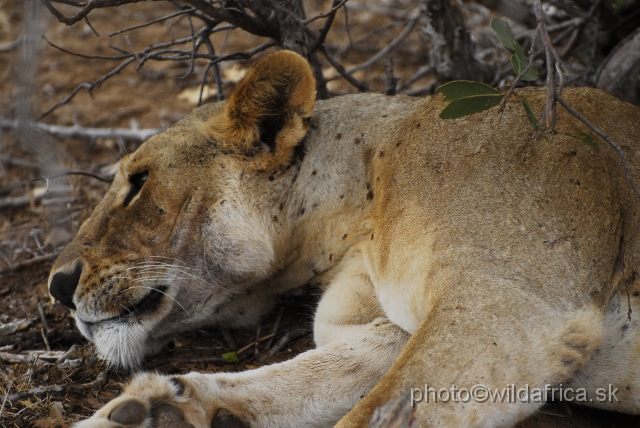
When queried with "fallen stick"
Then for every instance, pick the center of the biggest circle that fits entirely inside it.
(18, 358)
(12, 327)
(72, 351)
(80, 131)
(42, 390)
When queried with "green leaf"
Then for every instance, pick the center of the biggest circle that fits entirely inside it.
(459, 89)
(519, 60)
(586, 138)
(505, 36)
(520, 63)
(531, 115)
(470, 105)
(231, 357)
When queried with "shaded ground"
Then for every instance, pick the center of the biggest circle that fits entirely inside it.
(45, 360)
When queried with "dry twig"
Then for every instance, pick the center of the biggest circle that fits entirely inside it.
(276, 325)
(4, 402)
(43, 390)
(284, 340)
(43, 318)
(30, 262)
(254, 344)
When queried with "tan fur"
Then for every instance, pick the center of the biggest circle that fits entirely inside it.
(450, 252)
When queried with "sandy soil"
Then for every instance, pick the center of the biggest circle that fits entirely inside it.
(32, 233)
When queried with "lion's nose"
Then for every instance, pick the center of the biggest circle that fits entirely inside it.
(63, 285)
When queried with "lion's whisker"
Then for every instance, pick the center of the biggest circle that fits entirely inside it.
(155, 266)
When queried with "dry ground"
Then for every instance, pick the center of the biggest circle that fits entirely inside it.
(57, 391)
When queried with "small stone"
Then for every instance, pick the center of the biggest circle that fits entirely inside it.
(56, 409)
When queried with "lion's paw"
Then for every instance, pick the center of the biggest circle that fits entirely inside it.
(154, 401)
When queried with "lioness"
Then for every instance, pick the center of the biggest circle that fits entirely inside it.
(452, 254)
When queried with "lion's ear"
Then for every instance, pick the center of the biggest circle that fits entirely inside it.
(270, 106)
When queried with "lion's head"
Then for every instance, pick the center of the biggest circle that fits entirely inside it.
(185, 232)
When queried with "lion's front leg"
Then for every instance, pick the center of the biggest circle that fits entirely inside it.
(315, 389)
(356, 348)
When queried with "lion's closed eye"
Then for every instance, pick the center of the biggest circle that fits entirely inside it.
(137, 181)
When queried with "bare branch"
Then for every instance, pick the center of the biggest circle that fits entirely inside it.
(154, 21)
(86, 20)
(385, 51)
(89, 86)
(361, 86)
(391, 81)
(72, 2)
(551, 57)
(330, 13)
(81, 55)
(216, 74)
(238, 18)
(322, 34)
(368, 36)
(86, 8)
